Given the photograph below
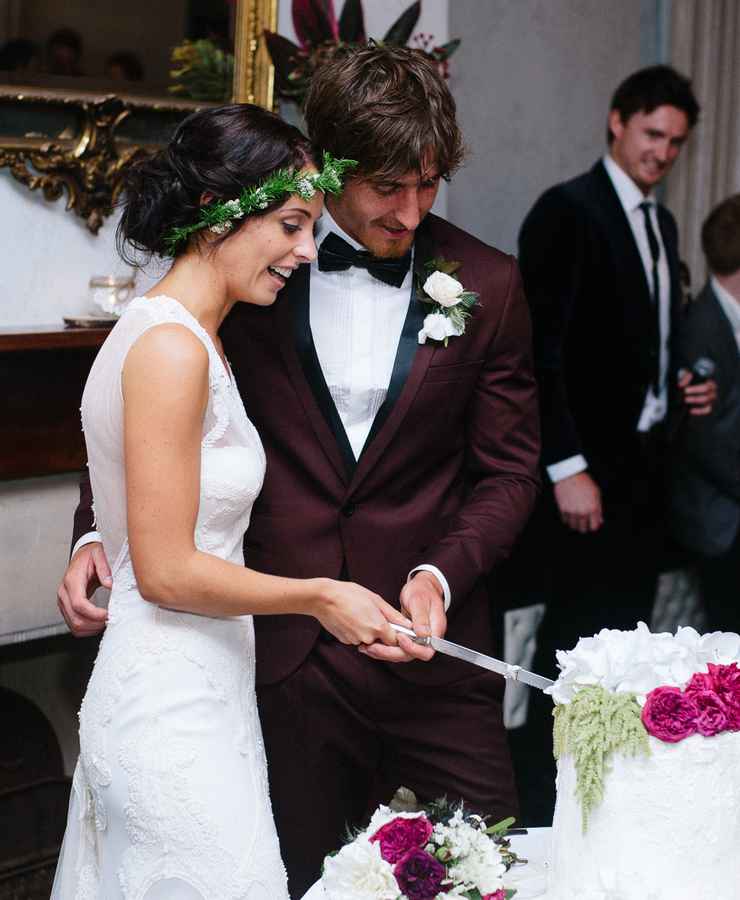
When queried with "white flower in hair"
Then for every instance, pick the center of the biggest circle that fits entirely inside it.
(234, 209)
(305, 189)
(221, 228)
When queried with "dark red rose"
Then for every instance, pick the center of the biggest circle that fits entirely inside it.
(726, 685)
(401, 835)
(700, 681)
(669, 714)
(712, 717)
(420, 875)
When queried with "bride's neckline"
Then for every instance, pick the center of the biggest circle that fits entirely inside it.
(225, 364)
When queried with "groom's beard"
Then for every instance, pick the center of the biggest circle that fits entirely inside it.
(388, 239)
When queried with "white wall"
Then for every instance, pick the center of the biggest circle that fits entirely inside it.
(533, 90)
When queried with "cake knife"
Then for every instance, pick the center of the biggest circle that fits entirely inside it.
(513, 673)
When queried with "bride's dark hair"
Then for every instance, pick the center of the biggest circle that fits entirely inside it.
(216, 152)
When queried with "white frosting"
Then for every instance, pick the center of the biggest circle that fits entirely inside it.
(638, 661)
(667, 829)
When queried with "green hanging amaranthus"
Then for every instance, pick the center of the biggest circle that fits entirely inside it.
(594, 726)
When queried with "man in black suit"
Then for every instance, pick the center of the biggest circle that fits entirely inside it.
(705, 475)
(599, 259)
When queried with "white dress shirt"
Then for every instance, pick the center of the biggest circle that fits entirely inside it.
(655, 405)
(730, 307)
(356, 322)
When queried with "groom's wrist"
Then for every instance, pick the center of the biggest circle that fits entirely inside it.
(438, 580)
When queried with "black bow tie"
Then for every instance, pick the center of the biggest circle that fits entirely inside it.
(336, 255)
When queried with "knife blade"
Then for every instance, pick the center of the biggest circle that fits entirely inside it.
(510, 672)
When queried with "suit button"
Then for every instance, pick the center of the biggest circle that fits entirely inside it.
(348, 510)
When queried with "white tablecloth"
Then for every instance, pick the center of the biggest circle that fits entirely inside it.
(530, 880)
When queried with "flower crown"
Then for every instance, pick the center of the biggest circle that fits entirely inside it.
(218, 217)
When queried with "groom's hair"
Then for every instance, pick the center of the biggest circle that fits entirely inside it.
(647, 89)
(387, 107)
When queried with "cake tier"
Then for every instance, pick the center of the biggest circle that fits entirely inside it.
(668, 827)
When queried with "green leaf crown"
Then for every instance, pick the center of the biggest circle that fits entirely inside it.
(219, 217)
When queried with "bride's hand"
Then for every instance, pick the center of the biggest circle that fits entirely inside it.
(355, 615)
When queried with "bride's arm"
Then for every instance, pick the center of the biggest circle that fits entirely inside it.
(165, 390)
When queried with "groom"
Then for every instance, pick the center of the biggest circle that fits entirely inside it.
(407, 468)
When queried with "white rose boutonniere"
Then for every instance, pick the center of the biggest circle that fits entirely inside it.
(451, 303)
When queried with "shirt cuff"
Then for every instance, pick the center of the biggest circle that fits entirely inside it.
(567, 467)
(428, 567)
(88, 538)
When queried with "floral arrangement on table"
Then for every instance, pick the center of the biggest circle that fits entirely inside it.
(321, 33)
(202, 71)
(618, 688)
(451, 305)
(438, 851)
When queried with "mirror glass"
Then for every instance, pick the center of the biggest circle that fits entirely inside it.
(121, 48)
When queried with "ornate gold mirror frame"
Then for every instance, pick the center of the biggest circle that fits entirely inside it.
(79, 144)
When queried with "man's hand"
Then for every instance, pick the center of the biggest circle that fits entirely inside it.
(579, 502)
(87, 571)
(422, 600)
(699, 398)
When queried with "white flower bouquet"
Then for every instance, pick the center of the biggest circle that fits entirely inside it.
(441, 852)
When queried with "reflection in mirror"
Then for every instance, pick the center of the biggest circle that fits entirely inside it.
(120, 48)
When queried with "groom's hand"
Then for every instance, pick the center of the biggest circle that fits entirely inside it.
(422, 600)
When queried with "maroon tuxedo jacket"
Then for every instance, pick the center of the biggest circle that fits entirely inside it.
(448, 475)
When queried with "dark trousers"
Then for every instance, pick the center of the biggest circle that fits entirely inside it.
(719, 578)
(344, 732)
(604, 579)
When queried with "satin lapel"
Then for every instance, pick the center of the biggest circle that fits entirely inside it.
(409, 368)
(297, 346)
(619, 234)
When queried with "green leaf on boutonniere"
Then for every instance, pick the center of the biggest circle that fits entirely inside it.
(439, 264)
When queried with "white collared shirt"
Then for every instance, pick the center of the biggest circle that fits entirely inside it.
(356, 322)
(655, 405)
(730, 307)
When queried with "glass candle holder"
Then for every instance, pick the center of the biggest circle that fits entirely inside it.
(109, 294)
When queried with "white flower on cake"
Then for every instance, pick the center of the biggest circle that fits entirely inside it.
(444, 289)
(639, 661)
(438, 327)
(358, 872)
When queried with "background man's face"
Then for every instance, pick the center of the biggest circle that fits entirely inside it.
(647, 144)
(383, 215)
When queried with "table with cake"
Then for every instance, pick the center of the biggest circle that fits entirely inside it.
(647, 741)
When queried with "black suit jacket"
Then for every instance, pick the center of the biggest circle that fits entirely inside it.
(593, 323)
(705, 454)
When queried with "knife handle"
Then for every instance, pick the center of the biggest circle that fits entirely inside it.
(401, 629)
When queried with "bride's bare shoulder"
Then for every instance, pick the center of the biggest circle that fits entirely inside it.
(167, 353)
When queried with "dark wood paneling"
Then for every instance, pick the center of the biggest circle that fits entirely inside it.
(42, 375)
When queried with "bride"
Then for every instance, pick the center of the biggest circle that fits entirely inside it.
(170, 798)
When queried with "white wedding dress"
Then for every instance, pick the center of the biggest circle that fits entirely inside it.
(170, 798)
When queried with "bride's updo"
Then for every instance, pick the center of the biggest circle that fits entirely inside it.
(215, 152)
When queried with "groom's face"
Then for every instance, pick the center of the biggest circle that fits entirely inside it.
(383, 215)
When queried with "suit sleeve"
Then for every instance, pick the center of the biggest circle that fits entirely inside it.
(551, 252)
(502, 454)
(84, 517)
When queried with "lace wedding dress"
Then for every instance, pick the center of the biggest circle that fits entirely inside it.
(170, 798)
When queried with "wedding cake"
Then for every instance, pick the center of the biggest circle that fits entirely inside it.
(647, 736)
